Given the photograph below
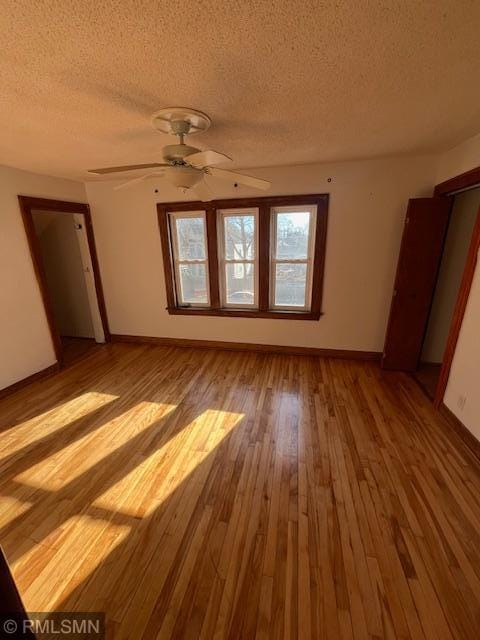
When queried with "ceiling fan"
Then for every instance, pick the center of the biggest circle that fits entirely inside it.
(185, 166)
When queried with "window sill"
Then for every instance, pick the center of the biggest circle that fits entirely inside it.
(245, 313)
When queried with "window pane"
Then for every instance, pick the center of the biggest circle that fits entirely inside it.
(239, 237)
(193, 283)
(290, 284)
(190, 238)
(292, 235)
(240, 283)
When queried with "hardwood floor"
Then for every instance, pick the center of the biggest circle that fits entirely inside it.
(427, 376)
(207, 494)
(75, 348)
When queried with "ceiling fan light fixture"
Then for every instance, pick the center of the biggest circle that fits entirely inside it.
(183, 177)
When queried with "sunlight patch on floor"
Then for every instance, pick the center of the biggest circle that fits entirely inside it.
(156, 477)
(87, 544)
(64, 466)
(35, 429)
(12, 508)
(81, 543)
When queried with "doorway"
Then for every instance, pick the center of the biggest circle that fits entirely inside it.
(452, 265)
(62, 246)
(432, 285)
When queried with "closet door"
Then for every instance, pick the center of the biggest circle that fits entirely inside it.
(421, 251)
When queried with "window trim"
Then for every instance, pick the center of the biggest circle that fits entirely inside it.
(223, 260)
(264, 205)
(173, 216)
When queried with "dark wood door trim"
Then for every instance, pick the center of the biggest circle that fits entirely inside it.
(27, 206)
(462, 182)
(459, 313)
(11, 604)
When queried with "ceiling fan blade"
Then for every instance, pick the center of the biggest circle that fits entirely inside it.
(206, 158)
(130, 183)
(202, 191)
(128, 167)
(241, 178)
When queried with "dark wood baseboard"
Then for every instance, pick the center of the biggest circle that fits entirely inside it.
(44, 373)
(465, 434)
(345, 354)
(246, 346)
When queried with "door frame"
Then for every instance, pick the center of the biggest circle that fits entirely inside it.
(29, 204)
(453, 186)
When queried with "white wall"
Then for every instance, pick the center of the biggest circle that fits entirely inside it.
(25, 343)
(465, 373)
(64, 272)
(460, 159)
(462, 222)
(368, 201)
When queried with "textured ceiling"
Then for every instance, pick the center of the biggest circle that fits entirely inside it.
(285, 82)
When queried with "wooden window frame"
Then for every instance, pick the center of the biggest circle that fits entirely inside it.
(265, 213)
(308, 261)
(223, 260)
(173, 216)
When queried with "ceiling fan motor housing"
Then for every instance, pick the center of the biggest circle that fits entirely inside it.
(177, 152)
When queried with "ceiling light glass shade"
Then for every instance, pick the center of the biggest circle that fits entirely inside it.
(183, 177)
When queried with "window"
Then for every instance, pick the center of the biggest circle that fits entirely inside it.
(293, 235)
(255, 257)
(238, 257)
(189, 249)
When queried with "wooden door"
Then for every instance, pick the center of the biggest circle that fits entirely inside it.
(418, 264)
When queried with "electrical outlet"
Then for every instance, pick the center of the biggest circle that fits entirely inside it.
(462, 399)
